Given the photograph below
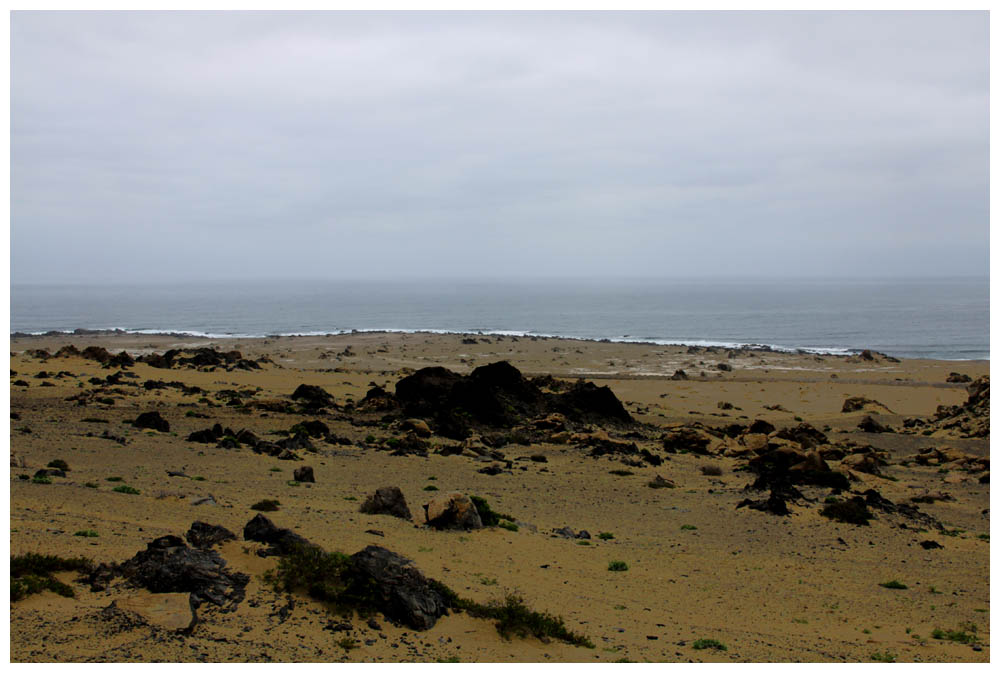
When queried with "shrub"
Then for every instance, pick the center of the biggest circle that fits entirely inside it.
(617, 566)
(606, 536)
(32, 573)
(431, 487)
(126, 489)
(688, 526)
(507, 525)
(266, 505)
(955, 636)
(486, 513)
(41, 480)
(85, 533)
(708, 644)
(90, 484)
(885, 657)
(114, 479)
(893, 584)
(513, 617)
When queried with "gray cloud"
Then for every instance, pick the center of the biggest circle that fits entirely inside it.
(234, 145)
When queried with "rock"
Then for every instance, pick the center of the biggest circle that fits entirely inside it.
(417, 426)
(304, 474)
(399, 590)
(930, 544)
(679, 375)
(204, 536)
(760, 427)
(687, 439)
(863, 462)
(853, 404)
(724, 367)
(96, 353)
(953, 377)
(660, 482)
(452, 511)
(869, 424)
(167, 565)
(168, 611)
(49, 472)
(153, 421)
(804, 434)
(281, 540)
(387, 500)
(774, 504)
(312, 397)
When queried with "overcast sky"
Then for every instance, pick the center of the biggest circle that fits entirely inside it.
(186, 146)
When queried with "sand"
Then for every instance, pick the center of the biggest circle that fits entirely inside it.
(771, 588)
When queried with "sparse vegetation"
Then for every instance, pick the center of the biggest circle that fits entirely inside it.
(41, 480)
(32, 573)
(893, 584)
(486, 513)
(886, 657)
(508, 525)
(114, 479)
(688, 526)
(960, 636)
(708, 644)
(430, 487)
(617, 566)
(85, 533)
(90, 484)
(126, 489)
(606, 536)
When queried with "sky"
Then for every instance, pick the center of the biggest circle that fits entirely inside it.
(187, 146)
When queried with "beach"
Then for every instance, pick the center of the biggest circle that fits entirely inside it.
(709, 562)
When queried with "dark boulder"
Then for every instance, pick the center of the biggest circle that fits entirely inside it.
(804, 434)
(312, 397)
(399, 590)
(281, 540)
(760, 427)
(953, 377)
(204, 536)
(869, 424)
(304, 474)
(387, 500)
(590, 403)
(208, 436)
(96, 353)
(169, 565)
(153, 421)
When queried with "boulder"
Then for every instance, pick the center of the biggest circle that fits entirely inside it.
(869, 424)
(452, 511)
(153, 421)
(387, 500)
(168, 565)
(312, 397)
(399, 590)
(304, 474)
(418, 426)
(953, 377)
(204, 536)
(281, 540)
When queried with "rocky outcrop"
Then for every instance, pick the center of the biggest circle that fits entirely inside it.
(397, 589)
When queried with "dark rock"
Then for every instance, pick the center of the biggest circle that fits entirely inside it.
(760, 427)
(49, 472)
(304, 474)
(96, 353)
(208, 436)
(853, 511)
(492, 470)
(387, 500)
(724, 367)
(869, 424)
(153, 421)
(313, 428)
(399, 590)
(804, 434)
(281, 540)
(313, 397)
(775, 504)
(123, 360)
(679, 375)
(955, 377)
(930, 544)
(169, 565)
(204, 536)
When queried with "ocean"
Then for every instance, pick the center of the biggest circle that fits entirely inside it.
(914, 318)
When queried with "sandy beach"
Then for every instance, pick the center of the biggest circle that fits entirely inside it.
(766, 585)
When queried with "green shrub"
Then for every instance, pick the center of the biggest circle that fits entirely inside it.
(90, 484)
(507, 525)
(617, 566)
(32, 573)
(486, 513)
(86, 533)
(955, 636)
(606, 536)
(893, 584)
(688, 526)
(513, 617)
(41, 480)
(430, 487)
(886, 657)
(114, 479)
(126, 489)
(708, 644)
(266, 505)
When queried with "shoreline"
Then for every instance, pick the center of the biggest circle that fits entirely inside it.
(704, 344)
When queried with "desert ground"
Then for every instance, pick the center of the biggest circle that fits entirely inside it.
(773, 580)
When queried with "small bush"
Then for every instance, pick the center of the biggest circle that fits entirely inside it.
(893, 584)
(513, 617)
(126, 489)
(32, 573)
(688, 526)
(114, 479)
(90, 484)
(708, 644)
(266, 505)
(486, 513)
(85, 533)
(430, 487)
(507, 525)
(954, 636)
(886, 657)
(617, 566)
(41, 480)
(58, 464)
(606, 536)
